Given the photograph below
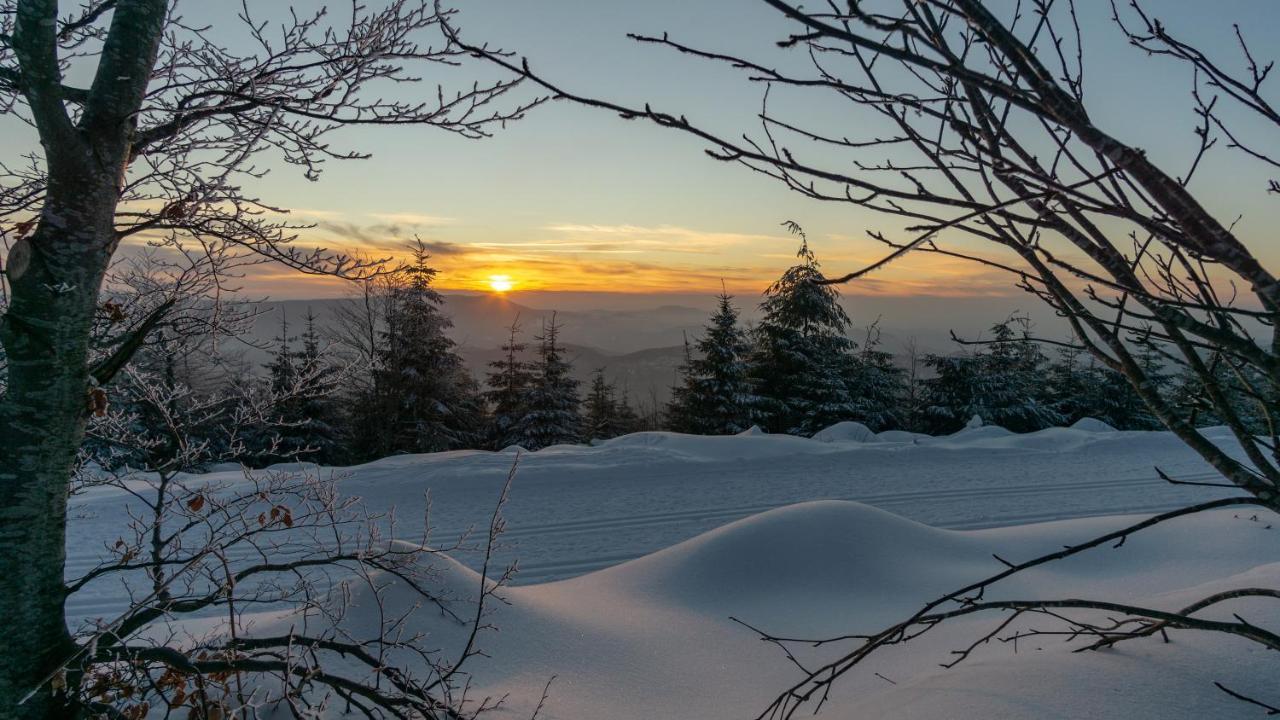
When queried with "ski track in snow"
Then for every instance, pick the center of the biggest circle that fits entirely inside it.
(577, 510)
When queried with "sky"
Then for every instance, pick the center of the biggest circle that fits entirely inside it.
(574, 199)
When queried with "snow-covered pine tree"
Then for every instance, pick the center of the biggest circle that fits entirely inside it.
(1004, 384)
(1010, 390)
(274, 438)
(1252, 396)
(432, 400)
(626, 417)
(551, 413)
(321, 430)
(280, 371)
(950, 394)
(1080, 387)
(302, 423)
(684, 408)
(603, 415)
(1072, 386)
(803, 358)
(1155, 368)
(508, 384)
(877, 385)
(717, 395)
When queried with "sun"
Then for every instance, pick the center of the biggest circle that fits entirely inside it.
(500, 283)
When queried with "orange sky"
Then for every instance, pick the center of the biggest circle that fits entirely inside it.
(613, 258)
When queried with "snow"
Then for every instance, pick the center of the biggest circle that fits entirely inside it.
(636, 552)
(654, 638)
(847, 431)
(1092, 425)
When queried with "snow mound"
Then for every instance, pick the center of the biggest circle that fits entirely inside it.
(847, 431)
(831, 567)
(752, 444)
(1089, 424)
(752, 431)
(901, 436)
(972, 433)
(826, 554)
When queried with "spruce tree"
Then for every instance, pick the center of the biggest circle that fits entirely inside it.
(551, 413)
(1004, 384)
(877, 385)
(1252, 396)
(1011, 393)
(950, 396)
(602, 416)
(318, 411)
(508, 385)
(626, 418)
(430, 401)
(684, 408)
(1155, 369)
(717, 395)
(271, 440)
(1073, 386)
(803, 358)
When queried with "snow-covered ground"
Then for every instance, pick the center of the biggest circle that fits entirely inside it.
(635, 554)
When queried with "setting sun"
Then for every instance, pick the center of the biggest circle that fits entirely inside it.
(500, 283)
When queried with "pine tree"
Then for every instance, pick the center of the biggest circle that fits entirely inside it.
(877, 385)
(282, 375)
(625, 416)
(551, 413)
(426, 400)
(1072, 386)
(803, 358)
(320, 416)
(717, 395)
(603, 412)
(508, 387)
(275, 439)
(951, 394)
(1155, 369)
(1011, 392)
(684, 408)
(1004, 384)
(1250, 394)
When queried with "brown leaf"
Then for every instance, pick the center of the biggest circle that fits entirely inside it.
(98, 401)
(195, 503)
(115, 313)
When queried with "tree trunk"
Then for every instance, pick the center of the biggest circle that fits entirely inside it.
(54, 277)
(55, 282)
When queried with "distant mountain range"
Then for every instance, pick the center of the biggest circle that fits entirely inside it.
(640, 347)
(481, 321)
(644, 348)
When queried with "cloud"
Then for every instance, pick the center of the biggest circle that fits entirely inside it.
(413, 219)
(552, 246)
(314, 214)
(661, 238)
(381, 237)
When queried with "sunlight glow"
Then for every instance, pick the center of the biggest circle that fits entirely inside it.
(500, 283)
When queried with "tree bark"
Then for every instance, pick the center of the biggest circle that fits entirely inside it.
(46, 338)
(55, 277)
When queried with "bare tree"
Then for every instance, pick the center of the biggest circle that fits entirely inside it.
(966, 123)
(158, 147)
(230, 549)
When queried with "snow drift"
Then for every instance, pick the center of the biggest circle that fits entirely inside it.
(658, 539)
